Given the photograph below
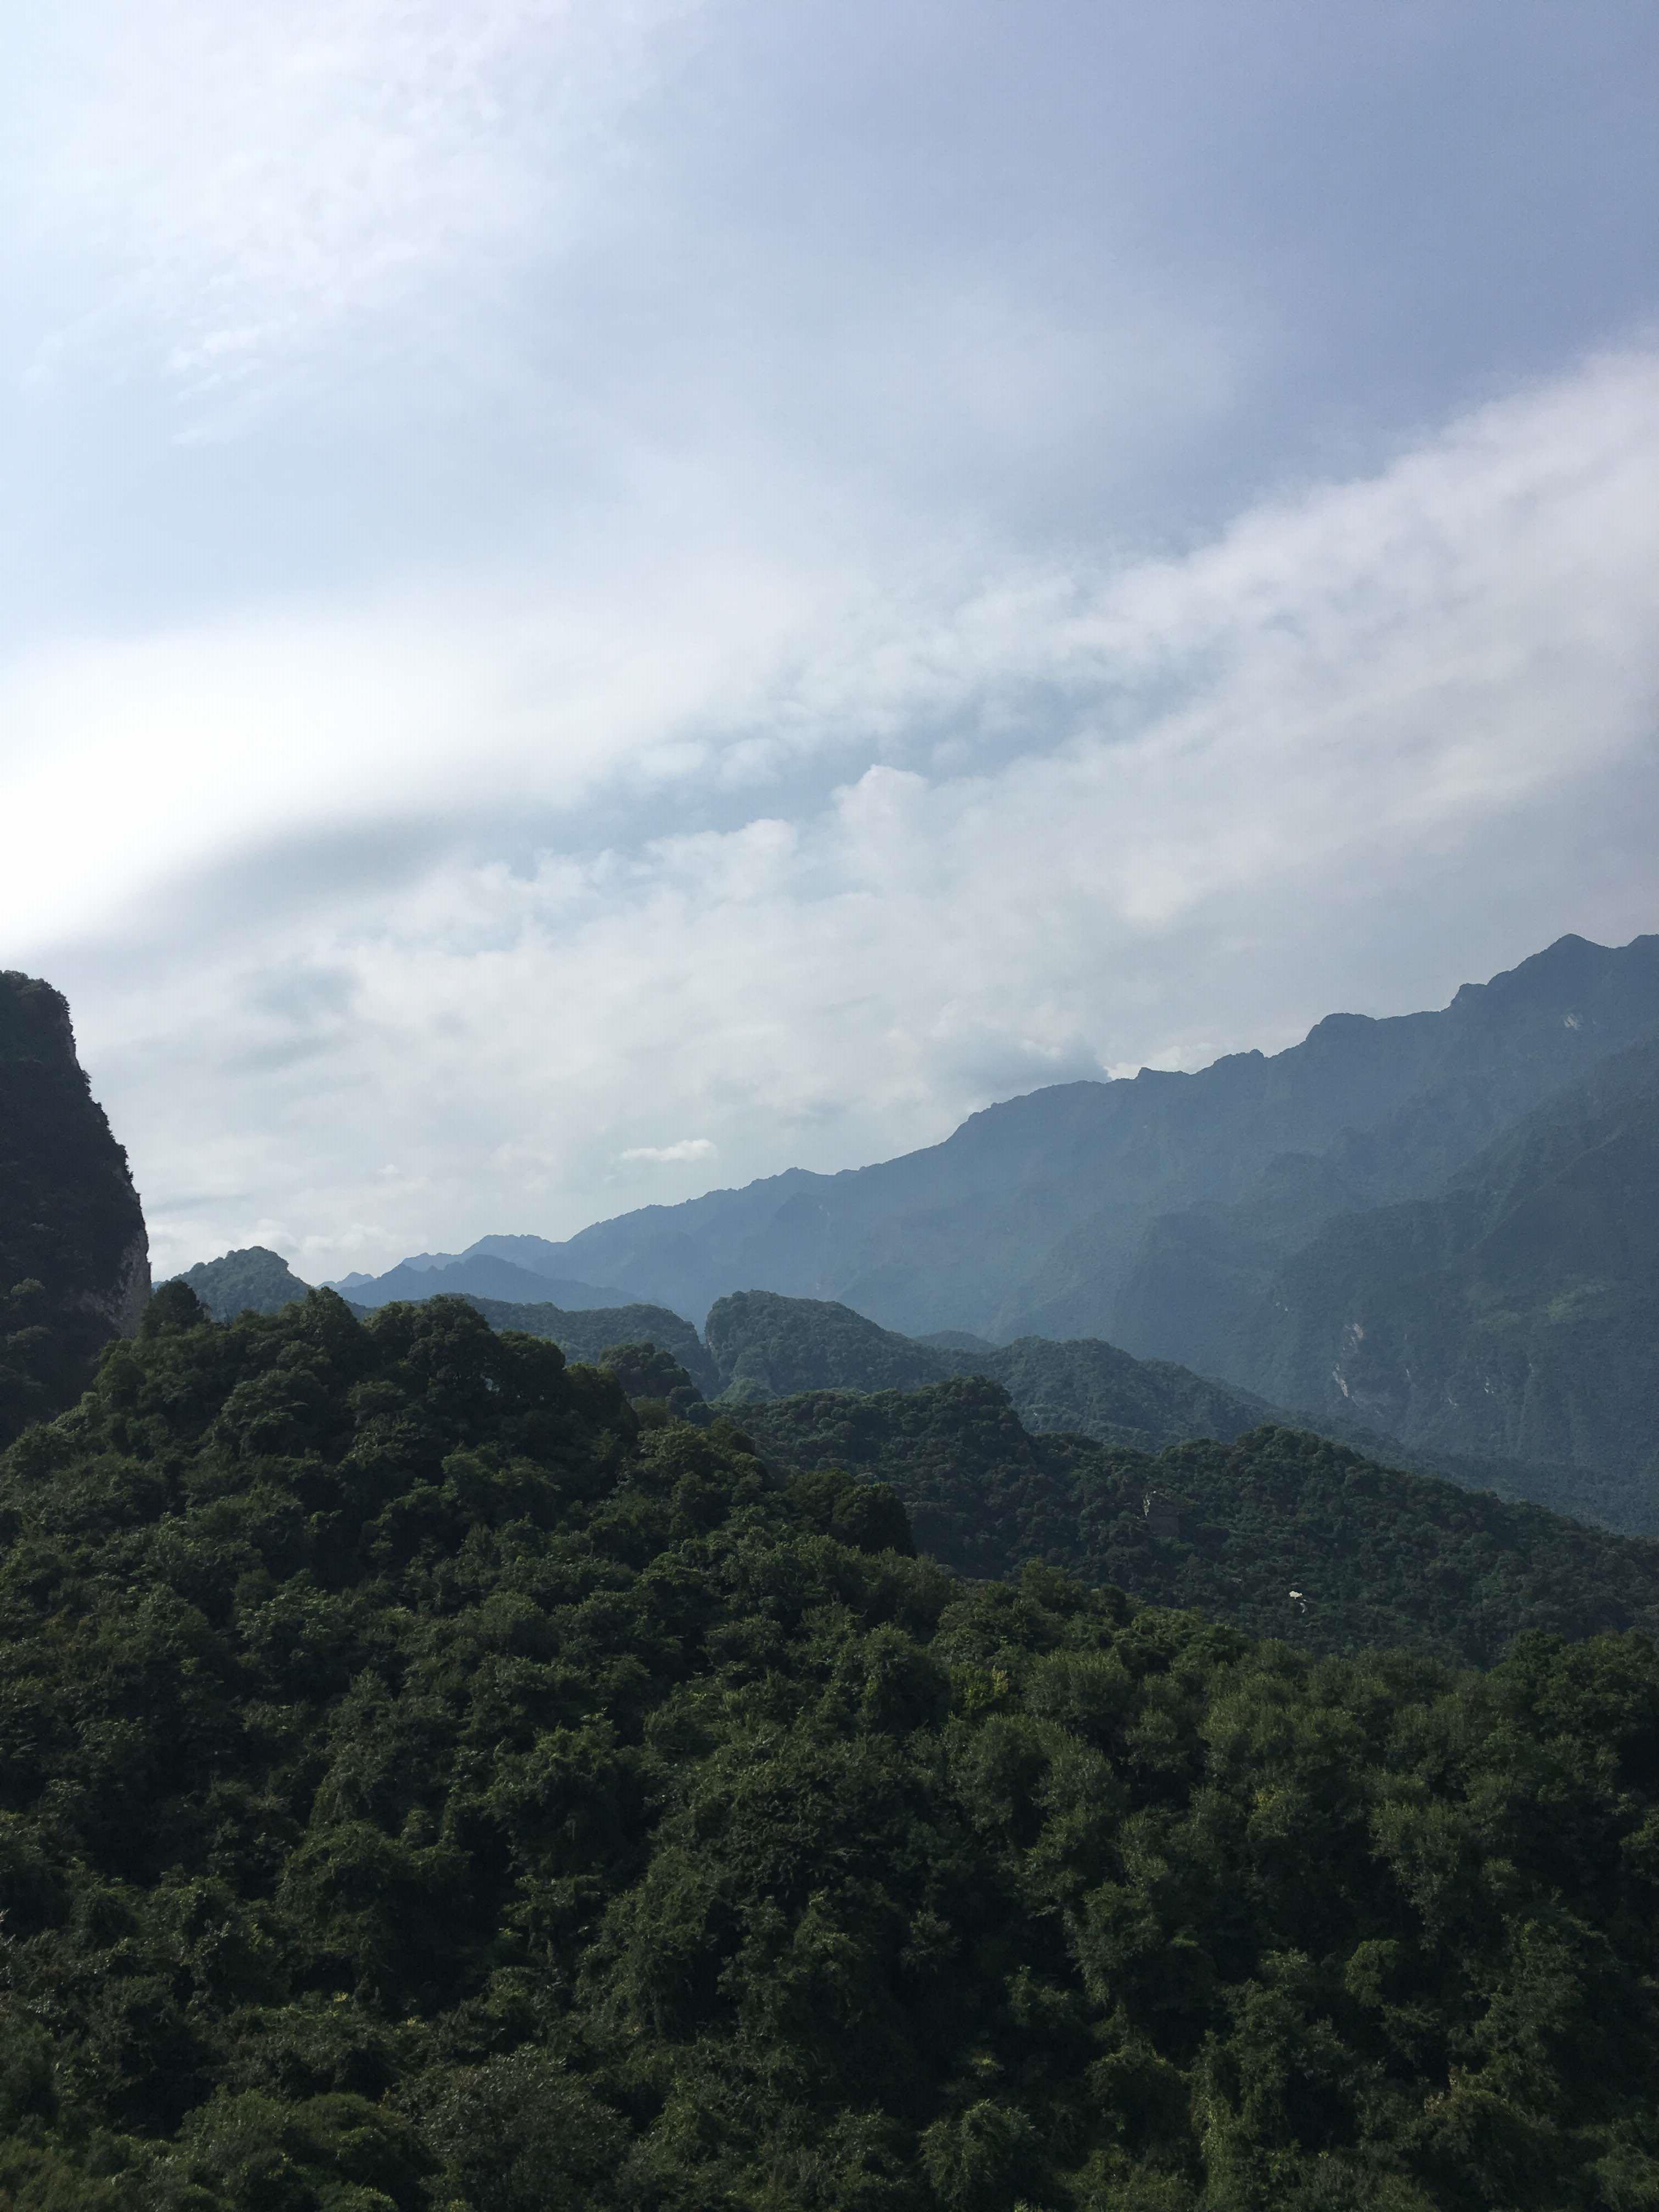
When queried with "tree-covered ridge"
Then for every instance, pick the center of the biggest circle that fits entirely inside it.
(765, 1346)
(587, 1335)
(253, 1280)
(1379, 1557)
(74, 1255)
(422, 1788)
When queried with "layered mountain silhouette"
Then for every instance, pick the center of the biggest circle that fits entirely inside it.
(478, 1274)
(1433, 1235)
(1215, 1220)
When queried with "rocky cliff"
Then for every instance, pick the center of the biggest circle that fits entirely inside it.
(74, 1254)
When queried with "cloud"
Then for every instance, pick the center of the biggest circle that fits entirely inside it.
(256, 182)
(687, 1148)
(1402, 727)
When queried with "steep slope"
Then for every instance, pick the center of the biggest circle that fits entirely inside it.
(74, 1254)
(1034, 1218)
(1376, 1557)
(422, 1789)
(1516, 1312)
(252, 1281)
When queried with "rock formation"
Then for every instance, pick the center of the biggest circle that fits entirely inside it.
(74, 1254)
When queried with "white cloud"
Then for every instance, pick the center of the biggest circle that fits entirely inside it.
(1402, 727)
(675, 1155)
(252, 182)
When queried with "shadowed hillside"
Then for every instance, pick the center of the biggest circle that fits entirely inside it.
(74, 1254)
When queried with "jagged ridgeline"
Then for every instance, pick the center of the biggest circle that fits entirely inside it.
(424, 1787)
(74, 1257)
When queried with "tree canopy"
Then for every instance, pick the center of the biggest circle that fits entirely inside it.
(422, 1785)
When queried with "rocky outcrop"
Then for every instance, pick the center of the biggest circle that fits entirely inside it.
(74, 1254)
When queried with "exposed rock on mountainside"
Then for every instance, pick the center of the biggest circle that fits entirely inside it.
(1515, 1313)
(252, 1281)
(74, 1254)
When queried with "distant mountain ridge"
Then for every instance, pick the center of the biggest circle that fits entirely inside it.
(1084, 1210)
(1435, 1235)
(478, 1273)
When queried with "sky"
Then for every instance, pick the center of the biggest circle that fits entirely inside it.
(601, 600)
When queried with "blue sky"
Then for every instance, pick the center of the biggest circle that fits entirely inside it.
(606, 599)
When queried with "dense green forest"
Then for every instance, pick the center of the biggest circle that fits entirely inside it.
(252, 1281)
(426, 1783)
(1377, 1556)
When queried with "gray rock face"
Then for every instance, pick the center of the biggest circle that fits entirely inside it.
(74, 1252)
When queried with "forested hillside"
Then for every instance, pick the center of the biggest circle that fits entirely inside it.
(252, 1281)
(74, 1254)
(422, 1787)
(766, 1346)
(586, 1335)
(1375, 1556)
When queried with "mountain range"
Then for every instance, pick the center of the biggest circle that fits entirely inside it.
(1438, 1229)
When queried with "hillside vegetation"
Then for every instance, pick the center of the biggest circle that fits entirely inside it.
(764, 1346)
(1377, 1556)
(422, 1787)
(253, 1280)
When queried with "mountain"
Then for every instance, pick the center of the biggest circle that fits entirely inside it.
(476, 1274)
(74, 1254)
(1153, 1212)
(1516, 1312)
(767, 1346)
(1376, 1557)
(424, 1785)
(252, 1281)
(586, 1335)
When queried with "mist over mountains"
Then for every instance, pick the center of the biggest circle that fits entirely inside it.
(1435, 1227)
